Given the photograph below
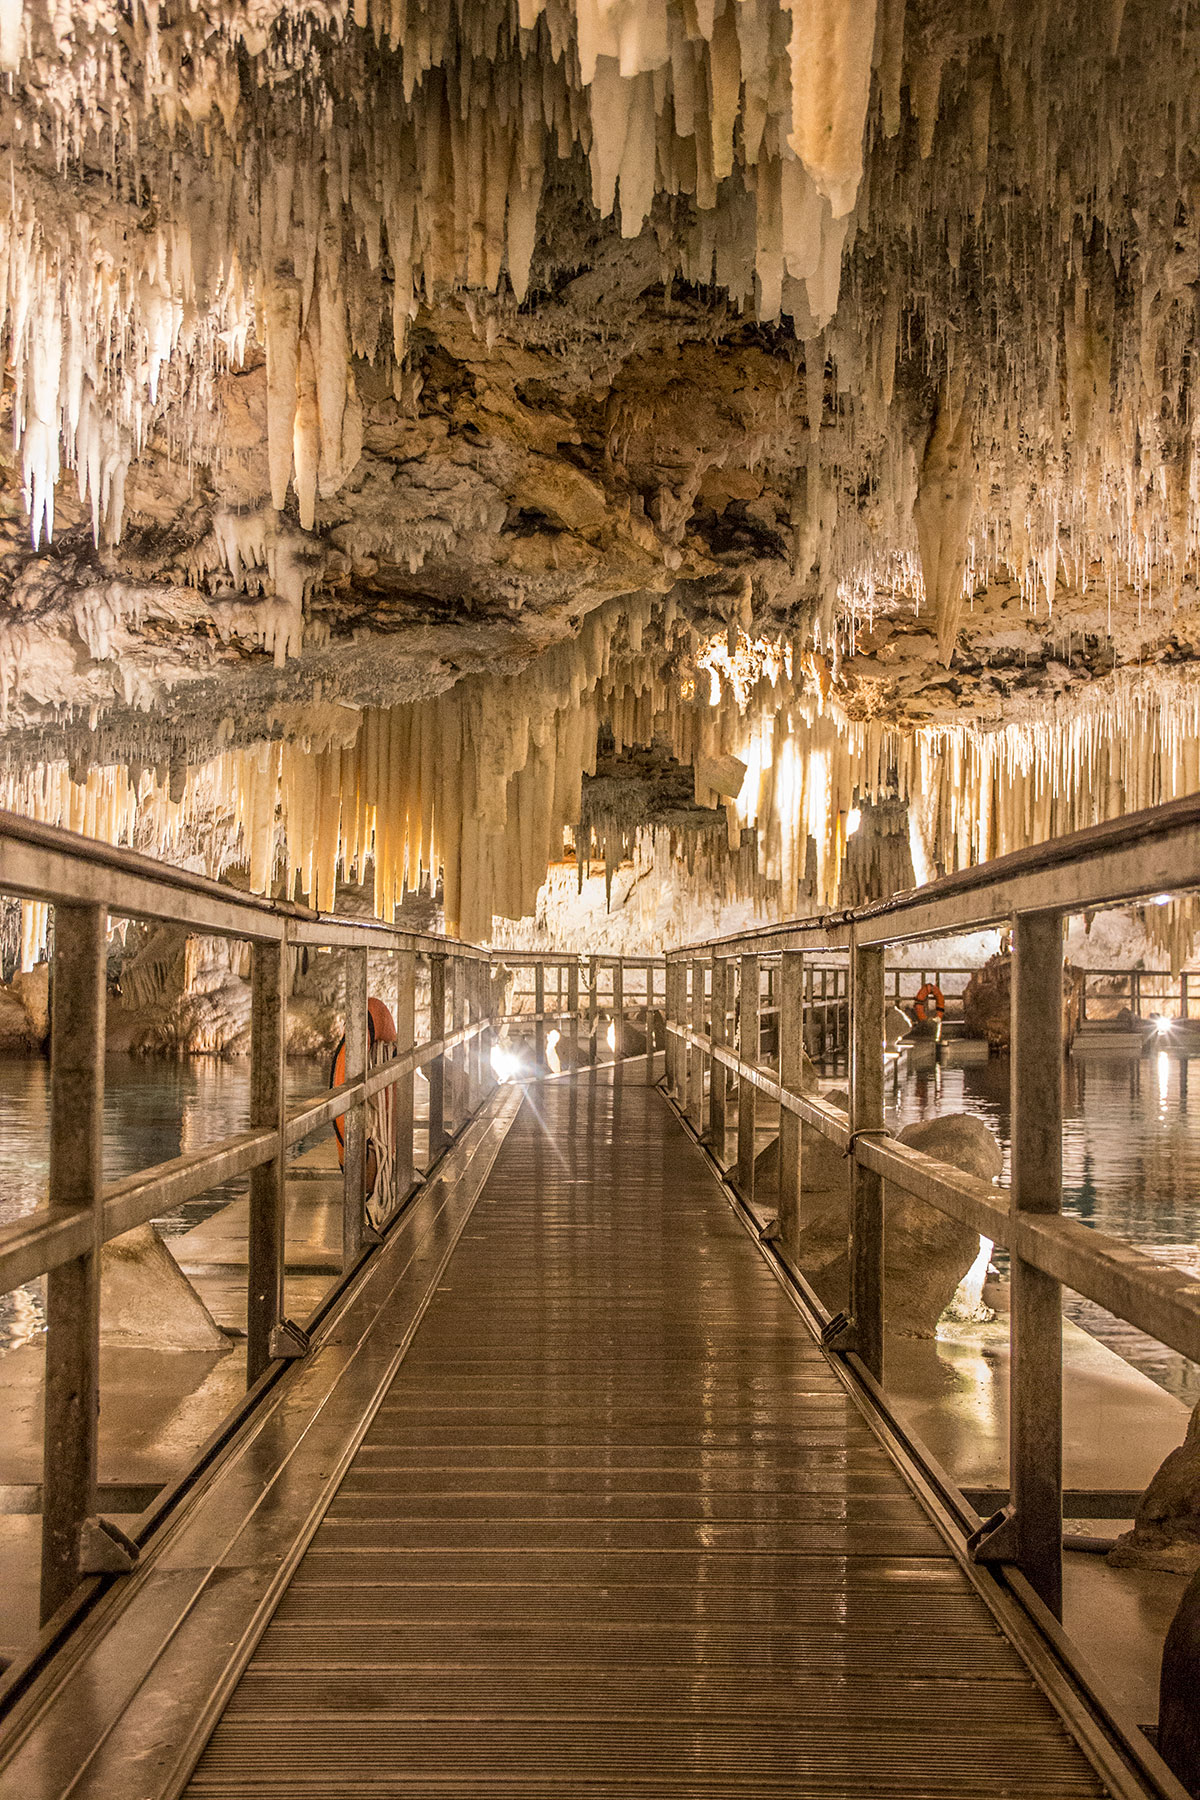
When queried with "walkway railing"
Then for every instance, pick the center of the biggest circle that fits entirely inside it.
(738, 1007)
(714, 1002)
(86, 883)
(599, 1007)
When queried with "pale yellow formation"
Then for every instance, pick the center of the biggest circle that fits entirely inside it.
(479, 784)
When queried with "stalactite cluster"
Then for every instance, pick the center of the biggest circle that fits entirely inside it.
(991, 293)
(709, 337)
(482, 784)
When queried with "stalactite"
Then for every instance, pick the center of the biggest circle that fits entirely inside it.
(318, 170)
(481, 784)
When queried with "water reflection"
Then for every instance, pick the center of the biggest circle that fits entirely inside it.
(1131, 1165)
(153, 1110)
(1131, 1153)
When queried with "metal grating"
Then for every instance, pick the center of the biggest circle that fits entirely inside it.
(618, 1531)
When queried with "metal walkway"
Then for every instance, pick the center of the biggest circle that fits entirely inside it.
(618, 1529)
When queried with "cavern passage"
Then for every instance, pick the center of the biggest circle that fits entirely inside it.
(599, 899)
(404, 395)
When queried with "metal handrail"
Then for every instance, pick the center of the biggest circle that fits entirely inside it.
(1032, 891)
(87, 883)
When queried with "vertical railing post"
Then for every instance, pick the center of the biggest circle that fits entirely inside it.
(573, 1013)
(354, 1119)
(265, 1249)
(682, 1053)
(481, 1006)
(1035, 1392)
(539, 1023)
(673, 1013)
(487, 1079)
(650, 1021)
(450, 1096)
(791, 1079)
(718, 1079)
(402, 1092)
(618, 986)
(593, 1004)
(72, 1396)
(748, 1044)
(479, 1043)
(865, 992)
(435, 1069)
(695, 1095)
(457, 1063)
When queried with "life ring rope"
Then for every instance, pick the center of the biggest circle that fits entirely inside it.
(930, 991)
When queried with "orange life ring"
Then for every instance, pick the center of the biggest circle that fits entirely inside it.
(381, 1036)
(930, 989)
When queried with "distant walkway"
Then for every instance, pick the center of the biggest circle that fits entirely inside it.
(618, 1530)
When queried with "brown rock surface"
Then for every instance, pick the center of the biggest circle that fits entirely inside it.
(1166, 1526)
(987, 1002)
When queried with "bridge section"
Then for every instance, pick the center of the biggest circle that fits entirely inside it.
(619, 1527)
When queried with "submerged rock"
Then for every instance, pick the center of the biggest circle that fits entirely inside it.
(1166, 1526)
(927, 1253)
(146, 1300)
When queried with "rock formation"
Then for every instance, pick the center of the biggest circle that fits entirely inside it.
(1166, 1526)
(406, 394)
(926, 1252)
(987, 1002)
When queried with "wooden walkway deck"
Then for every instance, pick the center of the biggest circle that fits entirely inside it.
(617, 1529)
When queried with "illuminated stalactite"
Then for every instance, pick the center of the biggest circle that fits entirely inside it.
(479, 784)
(920, 190)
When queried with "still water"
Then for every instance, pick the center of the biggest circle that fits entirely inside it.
(153, 1110)
(1131, 1165)
(1131, 1152)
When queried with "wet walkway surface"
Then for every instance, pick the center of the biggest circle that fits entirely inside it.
(617, 1529)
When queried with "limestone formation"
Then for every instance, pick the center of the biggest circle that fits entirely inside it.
(399, 395)
(987, 1002)
(147, 1302)
(1166, 1526)
(926, 1252)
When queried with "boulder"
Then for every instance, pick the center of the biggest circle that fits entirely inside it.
(896, 1025)
(146, 1300)
(926, 1253)
(16, 1037)
(1178, 1741)
(1166, 1525)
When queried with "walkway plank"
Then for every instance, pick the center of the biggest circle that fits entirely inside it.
(617, 1530)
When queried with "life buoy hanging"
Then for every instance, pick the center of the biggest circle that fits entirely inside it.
(930, 991)
(381, 1041)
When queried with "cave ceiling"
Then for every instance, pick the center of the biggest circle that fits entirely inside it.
(357, 350)
(351, 348)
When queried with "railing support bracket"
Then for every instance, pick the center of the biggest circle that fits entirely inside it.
(104, 1549)
(288, 1341)
(996, 1540)
(839, 1334)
